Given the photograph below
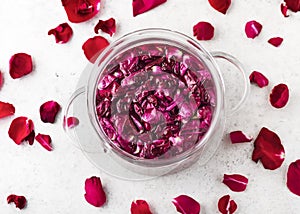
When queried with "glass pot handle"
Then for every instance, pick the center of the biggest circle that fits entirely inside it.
(246, 83)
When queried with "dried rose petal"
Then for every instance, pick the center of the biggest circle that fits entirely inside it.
(220, 5)
(279, 96)
(62, 33)
(259, 79)
(71, 122)
(20, 201)
(93, 47)
(140, 207)
(226, 205)
(21, 129)
(20, 65)
(6, 109)
(95, 194)
(284, 8)
(276, 41)
(48, 111)
(142, 6)
(239, 137)
(293, 177)
(253, 29)
(107, 26)
(1, 79)
(235, 182)
(293, 5)
(203, 31)
(45, 141)
(185, 204)
(268, 149)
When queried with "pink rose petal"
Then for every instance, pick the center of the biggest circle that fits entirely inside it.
(20, 65)
(268, 149)
(293, 177)
(203, 31)
(48, 111)
(21, 129)
(259, 79)
(235, 182)
(140, 207)
(142, 6)
(253, 29)
(6, 109)
(276, 41)
(186, 205)
(45, 141)
(293, 5)
(279, 96)
(62, 33)
(239, 137)
(20, 201)
(1, 79)
(71, 122)
(107, 26)
(95, 194)
(93, 47)
(226, 205)
(284, 8)
(220, 5)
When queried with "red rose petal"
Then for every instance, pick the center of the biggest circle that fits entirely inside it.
(95, 194)
(239, 137)
(72, 122)
(45, 141)
(48, 111)
(62, 33)
(235, 182)
(279, 96)
(141, 6)
(220, 5)
(293, 5)
(107, 26)
(253, 29)
(203, 31)
(226, 205)
(21, 129)
(6, 109)
(20, 201)
(140, 207)
(93, 47)
(259, 79)
(293, 177)
(1, 79)
(81, 10)
(268, 149)
(20, 65)
(185, 204)
(284, 8)
(276, 41)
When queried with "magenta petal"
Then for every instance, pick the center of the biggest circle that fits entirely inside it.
(186, 205)
(279, 96)
(93, 47)
(293, 177)
(239, 137)
(293, 5)
(226, 205)
(6, 109)
(44, 140)
(142, 6)
(48, 111)
(140, 207)
(107, 26)
(20, 201)
(276, 41)
(95, 194)
(259, 79)
(284, 8)
(253, 29)
(21, 129)
(203, 31)
(220, 5)
(71, 122)
(20, 65)
(235, 182)
(62, 33)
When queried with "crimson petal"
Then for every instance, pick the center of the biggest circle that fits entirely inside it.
(226, 205)
(279, 96)
(140, 207)
(62, 33)
(20, 65)
(93, 47)
(6, 109)
(239, 137)
(185, 204)
(48, 111)
(293, 177)
(276, 41)
(268, 149)
(293, 5)
(21, 129)
(20, 201)
(71, 122)
(235, 182)
(142, 6)
(203, 31)
(107, 26)
(45, 141)
(253, 29)
(220, 5)
(284, 8)
(95, 194)
(259, 79)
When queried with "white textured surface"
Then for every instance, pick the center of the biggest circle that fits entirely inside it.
(53, 182)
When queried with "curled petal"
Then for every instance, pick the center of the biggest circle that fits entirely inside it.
(235, 182)
(95, 194)
(253, 29)
(93, 47)
(62, 33)
(20, 201)
(185, 204)
(203, 31)
(48, 111)
(6, 109)
(239, 137)
(1, 79)
(293, 5)
(226, 205)
(279, 96)
(293, 177)
(71, 122)
(45, 141)
(142, 6)
(140, 207)
(268, 149)
(220, 5)
(276, 41)
(21, 129)
(284, 8)
(107, 26)
(259, 79)
(20, 65)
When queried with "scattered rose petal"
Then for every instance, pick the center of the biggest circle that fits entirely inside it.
(279, 96)
(81, 10)
(20, 65)
(239, 137)
(226, 205)
(6, 109)
(253, 29)
(93, 47)
(107, 26)
(203, 31)
(276, 41)
(62, 33)
(142, 6)
(284, 8)
(71, 122)
(140, 207)
(293, 177)
(1, 79)
(20, 201)
(48, 111)
(235, 182)
(220, 5)
(259, 79)
(293, 5)
(185, 204)
(95, 194)
(268, 149)
(21, 129)
(45, 141)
